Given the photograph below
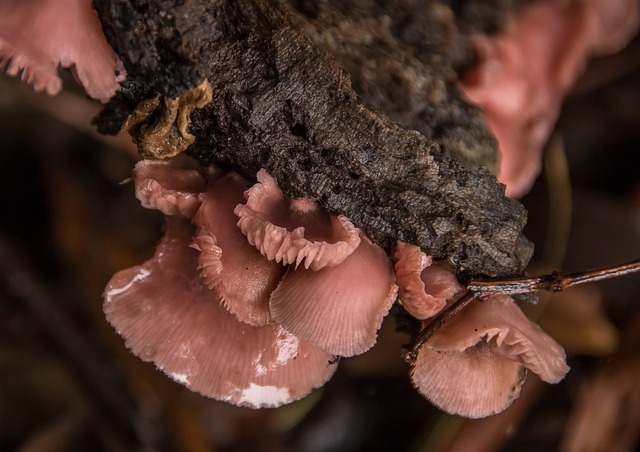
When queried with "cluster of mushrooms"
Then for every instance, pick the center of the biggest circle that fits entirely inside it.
(251, 296)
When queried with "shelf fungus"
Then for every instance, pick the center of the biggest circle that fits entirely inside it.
(160, 125)
(304, 173)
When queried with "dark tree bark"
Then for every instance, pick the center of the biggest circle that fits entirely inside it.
(282, 103)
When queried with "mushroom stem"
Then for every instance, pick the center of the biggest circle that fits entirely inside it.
(553, 282)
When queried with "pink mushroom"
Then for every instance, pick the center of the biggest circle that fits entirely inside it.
(169, 316)
(242, 277)
(37, 36)
(252, 325)
(246, 278)
(474, 365)
(341, 297)
(424, 288)
(523, 74)
(292, 231)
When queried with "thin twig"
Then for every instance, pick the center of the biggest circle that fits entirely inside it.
(553, 282)
(444, 317)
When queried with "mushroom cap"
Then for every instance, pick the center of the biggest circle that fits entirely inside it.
(230, 266)
(171, 186)
(168, 316)
(473, 383)
(339, 309)
(524, 73)
(37, 36)
(424, 288)
(509, 333)
(294, 231)
(470, 366)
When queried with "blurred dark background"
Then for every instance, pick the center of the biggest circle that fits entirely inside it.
(69, 220)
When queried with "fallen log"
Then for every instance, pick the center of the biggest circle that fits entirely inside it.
(281, 102)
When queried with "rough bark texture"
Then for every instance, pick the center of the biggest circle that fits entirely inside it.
(282, 103)
(400, 56)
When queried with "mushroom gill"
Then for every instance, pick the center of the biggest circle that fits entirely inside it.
(424, 287)
(473, 365)
(293, 231)
(220, 317)
(168, 315)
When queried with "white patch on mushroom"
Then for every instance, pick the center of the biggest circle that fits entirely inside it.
(264, 396)
(180, 378)
(185, 351)
(260, 368)
(286, 346)
(141, 276)
(303, 205)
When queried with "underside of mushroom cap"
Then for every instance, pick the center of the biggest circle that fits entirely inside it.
(472, 383)
(472, 365)
(168, 316)
(37, 36)
(424, 288)
(294, 231)
(230, 266)
(172, 186)
(508, 332)
(339, 309)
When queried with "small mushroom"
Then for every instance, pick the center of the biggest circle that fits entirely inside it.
(474, 364)
(167, 315)
(293, 231)
(171, 186)
(37, 36)
(424, 288)
(523, 74)
(339, 309)
(241, 277)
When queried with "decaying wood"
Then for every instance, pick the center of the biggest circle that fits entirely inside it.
(400, 56)
(282, 103)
